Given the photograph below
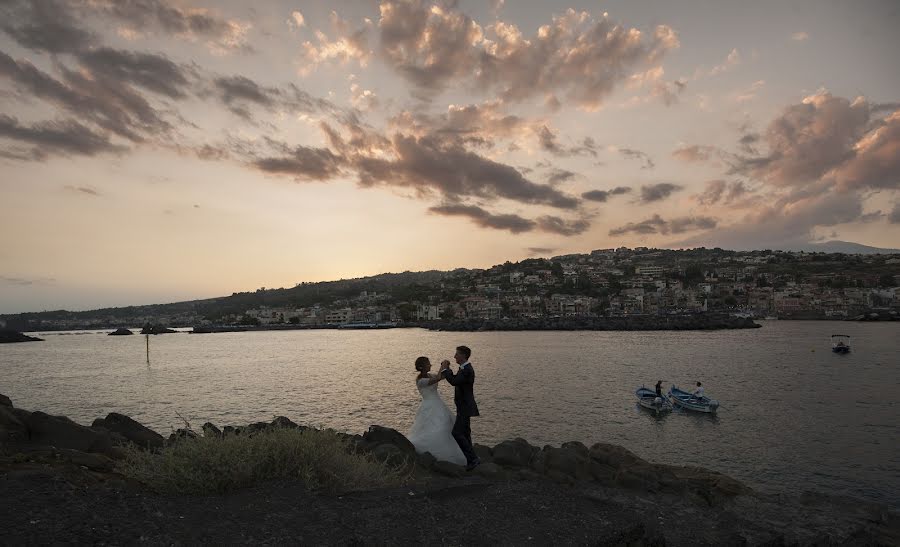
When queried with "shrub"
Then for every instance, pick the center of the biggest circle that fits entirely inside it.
(322, 460)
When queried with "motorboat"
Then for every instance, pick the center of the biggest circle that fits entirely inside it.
(648, 399)
(689, 401)
(840, 343)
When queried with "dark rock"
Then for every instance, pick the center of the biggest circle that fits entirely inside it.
(210, 430)
(4, 400)
(489, 469)
(157, 329)
(62, 432)
(94, 462)
(385, 435)
(569, 461)
(425, 460)
(281, 421)
(11, 337)
(131, 429)
(11, 427)
(448, 469)
(181, 434)
(389, 453)
(120, 332)
(514, 453)
(614, 455)
(484, 453)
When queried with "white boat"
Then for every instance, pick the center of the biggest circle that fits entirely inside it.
(648, 399)
(690, 402)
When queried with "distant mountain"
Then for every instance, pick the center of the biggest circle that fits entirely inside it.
(846, 247)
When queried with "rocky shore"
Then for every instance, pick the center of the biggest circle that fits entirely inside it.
(633, 322)
(11, 337)
(60, 482)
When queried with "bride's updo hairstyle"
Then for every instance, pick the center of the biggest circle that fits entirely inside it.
(420, 364)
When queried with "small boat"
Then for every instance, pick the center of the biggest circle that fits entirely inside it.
(647, 398)
(688, 401)
(840, 343)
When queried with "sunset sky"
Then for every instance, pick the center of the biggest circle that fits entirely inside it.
(163, 150)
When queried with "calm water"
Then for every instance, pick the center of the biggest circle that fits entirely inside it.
(793, 414)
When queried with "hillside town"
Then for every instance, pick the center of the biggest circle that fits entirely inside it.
(604, 283)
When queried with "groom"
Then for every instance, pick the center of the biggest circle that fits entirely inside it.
(464, 397)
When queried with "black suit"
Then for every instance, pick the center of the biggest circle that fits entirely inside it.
(464, 397)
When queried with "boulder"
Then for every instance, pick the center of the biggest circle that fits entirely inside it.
(388, 453)
(448, 469)
(484, 453)
(377, 435)
(181, 434)
(4, 400)
(514, 453)
(281, 421)
(62, 432)
(489, 469)
(11, 427)
(120, 332)
(210, 430)
(614, 455)
(131, 429)
(425, 460)
(567, 460)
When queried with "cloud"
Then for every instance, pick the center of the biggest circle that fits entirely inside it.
(362, 99)
(473, 124)
(577, 55)
(800, 36)
(657, 225)
(557, 176)
(646, 161)
(150, 71)
(349, 45)
(875, 162)
(733, 59)
(720, 190)
(603, 195)
(513, 223)
(544, 251)
(658, 192)
(894, 216)
(484, 219)
(783, 221)
(694, 153)
(46, 25)
(64, 137)
(430, 165)
(297, 20)
(239, 94)
(808, 140)
(21, 281)
(303, 163)
(82, 189)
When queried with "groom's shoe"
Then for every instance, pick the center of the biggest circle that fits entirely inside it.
(473, 465)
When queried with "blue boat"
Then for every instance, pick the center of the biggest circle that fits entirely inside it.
(648, 399)
(687, 401)
(840, 343)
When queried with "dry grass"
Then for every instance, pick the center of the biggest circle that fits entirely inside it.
(320, 459)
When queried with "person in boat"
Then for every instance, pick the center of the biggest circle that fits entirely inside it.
(698, 393)
(659, 388)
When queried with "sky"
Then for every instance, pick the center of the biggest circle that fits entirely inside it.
(162, 150)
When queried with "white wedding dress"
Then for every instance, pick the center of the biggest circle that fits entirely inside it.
(434, 422)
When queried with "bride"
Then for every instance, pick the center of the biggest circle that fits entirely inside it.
(431, 430)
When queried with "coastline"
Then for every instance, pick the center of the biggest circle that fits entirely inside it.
(60, 480)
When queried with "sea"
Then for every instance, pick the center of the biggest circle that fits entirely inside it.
(793, 416)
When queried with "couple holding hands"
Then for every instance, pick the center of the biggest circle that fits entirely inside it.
(435, 430)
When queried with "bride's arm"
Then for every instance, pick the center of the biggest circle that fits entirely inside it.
(433, 378)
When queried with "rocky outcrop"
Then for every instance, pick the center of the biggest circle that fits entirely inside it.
(11, 337)
(129, 429)
(157, 329)
(120, 332)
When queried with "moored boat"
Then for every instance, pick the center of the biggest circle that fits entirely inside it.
(840, 343)
(688, 401)
(648, 399)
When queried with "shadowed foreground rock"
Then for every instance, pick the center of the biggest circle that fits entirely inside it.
(11, 337)
(58, 483)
